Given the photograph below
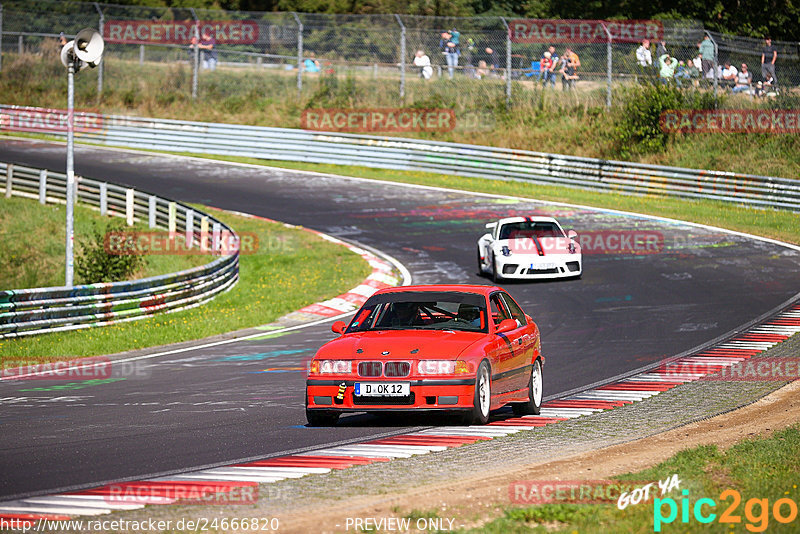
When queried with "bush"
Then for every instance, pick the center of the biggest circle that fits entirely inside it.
(638, 130)
(94, 264)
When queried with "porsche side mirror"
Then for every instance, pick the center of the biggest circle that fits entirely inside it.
(572, 234)
(490, 226)
(338, 327)
(506, 325)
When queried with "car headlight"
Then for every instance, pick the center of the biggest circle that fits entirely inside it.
(442, 367)
(329, 367)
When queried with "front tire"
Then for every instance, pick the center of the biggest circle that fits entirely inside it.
(321, 418)
(534, 404)
(495, 275)
(482, 400)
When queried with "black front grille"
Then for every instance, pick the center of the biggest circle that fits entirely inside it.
(572, 266)
(544, 271)
(382, 401)
(396, 369)
(369, 369)
(510, 268)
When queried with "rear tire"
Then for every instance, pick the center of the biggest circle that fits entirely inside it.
(534, 404)
(482, 399)
(321, 418)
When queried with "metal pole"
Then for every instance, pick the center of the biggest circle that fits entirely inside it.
(100, 67)
(1, 37)
(69, 263)
(299, 54)
(141, 54)
(714, 63)
(402, 56)
(609, 66)
(508, 61)
(20, 46)
(196, 58)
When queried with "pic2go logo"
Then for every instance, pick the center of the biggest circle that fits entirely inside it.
(756, 511)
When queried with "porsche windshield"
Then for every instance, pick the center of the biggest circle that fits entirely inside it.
(422, 310)
(530, 229)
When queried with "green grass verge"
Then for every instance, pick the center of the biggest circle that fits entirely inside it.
(32, 244)
(760, 468)
(290, 269)
(776, 224)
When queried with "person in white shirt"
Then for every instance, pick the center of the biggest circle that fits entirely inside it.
(422, 60)
(643, 56)
(744, 80)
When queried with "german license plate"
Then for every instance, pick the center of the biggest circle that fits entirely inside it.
(382, 389)
(542, 266)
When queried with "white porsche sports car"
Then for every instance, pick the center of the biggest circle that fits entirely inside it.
(529, 248)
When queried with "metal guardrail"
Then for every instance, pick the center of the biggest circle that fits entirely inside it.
(438, 157)
(51, 309)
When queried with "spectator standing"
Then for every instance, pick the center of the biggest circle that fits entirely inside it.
(469, 58)
(492, 60)
(643, 56)
(768, 57)
(744, 80)
(661, 49)
(544, 66)
(706, 48)
(422, 61)
(554, 65)
(451, 55)
(573, 58)
(568, 74)
(209, 47)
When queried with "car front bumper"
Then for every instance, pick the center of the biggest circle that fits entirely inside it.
(426, 394)
(525, 266)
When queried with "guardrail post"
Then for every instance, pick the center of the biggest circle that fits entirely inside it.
(9, 178)
(103, 198)
(402, 56)
(151, 211)
(215, 231)
(204, 233)
(173, 216)
(43, 186)
(189, 228)
(299, 54)
(129, 206)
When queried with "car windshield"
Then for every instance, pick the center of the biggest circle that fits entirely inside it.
(529, 229)
(422, 310)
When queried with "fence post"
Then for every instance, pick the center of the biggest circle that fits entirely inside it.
(43, 186)
(9, 178)
(402, 56)
(609, 66)
(1, 37)
(129, 206)
(151, 212)
(299, 54)
(189, 228)
(508, 61)
(141, 54)
(196, 58)
(100, 67)
(20, 46)
(103, 198)
(714, 63)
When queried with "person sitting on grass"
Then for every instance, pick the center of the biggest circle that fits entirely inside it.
(311, 64)
(744, 80)
(667, 66)
(729, 74)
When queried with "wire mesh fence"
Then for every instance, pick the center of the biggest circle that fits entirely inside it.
(352, 61)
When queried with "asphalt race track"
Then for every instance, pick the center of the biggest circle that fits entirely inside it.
(216, 405)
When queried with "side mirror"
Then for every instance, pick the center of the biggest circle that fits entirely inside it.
(338, 327)
(506, 325)
(572, 234)
(490, 226)
(529, 318)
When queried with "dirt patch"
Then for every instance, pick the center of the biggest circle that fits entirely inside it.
(475, 500)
